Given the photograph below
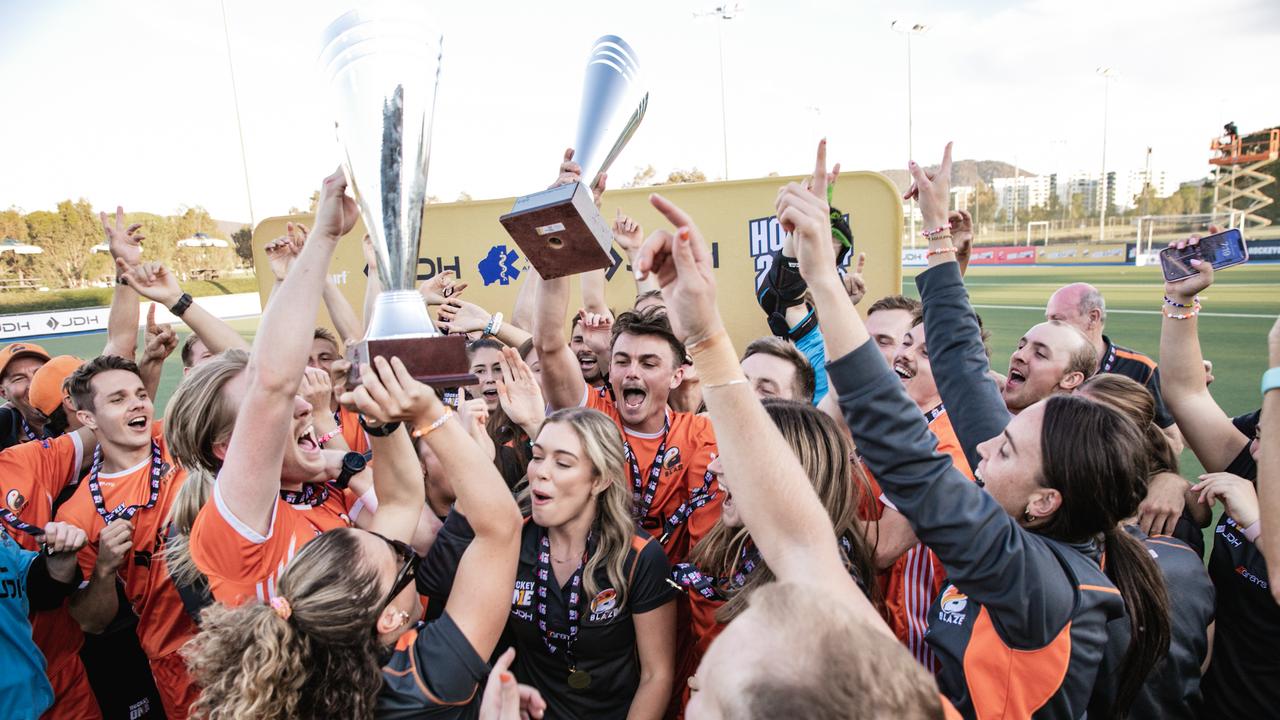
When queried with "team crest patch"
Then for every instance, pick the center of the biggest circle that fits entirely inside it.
(671, 460)
(953, 605)
(15, 501)
(605, 601)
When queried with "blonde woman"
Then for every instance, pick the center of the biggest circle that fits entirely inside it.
(591, 616)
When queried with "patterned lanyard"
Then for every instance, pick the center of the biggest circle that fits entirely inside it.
(1110, 360)
(121, 511)
(21, 525)
(690, 577)
(643, 494)
(308, 495)
(542, 578)
(934, 413)
(697, 499)
(26, 429)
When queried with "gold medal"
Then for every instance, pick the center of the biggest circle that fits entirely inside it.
(579, 679)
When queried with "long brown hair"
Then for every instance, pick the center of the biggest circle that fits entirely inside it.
(321, 662)
(1096, 459)
(1135, 402)
(824, 453)
(613, 525)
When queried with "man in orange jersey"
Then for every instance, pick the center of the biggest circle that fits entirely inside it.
(122, 505)
(19, 422)
(33, 477)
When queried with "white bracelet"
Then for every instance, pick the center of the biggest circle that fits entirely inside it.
(1253, 532)
(495, 324)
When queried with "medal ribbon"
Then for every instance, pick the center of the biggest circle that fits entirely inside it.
(26, 429)
(1110, 360)
(121, 511)
(934, 413)
(697, 499)
(542, 578)
(21, 525)
(642, 494)
(308, 495)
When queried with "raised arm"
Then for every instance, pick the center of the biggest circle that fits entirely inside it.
(460, 316)
(787, 522)
(159, 342)
(250, 477)
(1206, 428)
(125, 244)
(1269, 465)
(629, 236)
(154, 282)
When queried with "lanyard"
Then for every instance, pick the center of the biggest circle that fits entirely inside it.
(31, 435)
(1109, 361)
(697, 499)
(934, 413)
(308, 495)
(121, 511)
(542, 578)
(690, 577)
(21, 525)
(642, 494)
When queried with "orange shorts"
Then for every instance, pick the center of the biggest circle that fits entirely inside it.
(177, 692)
(73, 698)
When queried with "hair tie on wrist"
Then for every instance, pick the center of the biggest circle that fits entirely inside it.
(282, 608)
(941, 250)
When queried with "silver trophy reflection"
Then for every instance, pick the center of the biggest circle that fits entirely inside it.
(382, 69)
(560, 230)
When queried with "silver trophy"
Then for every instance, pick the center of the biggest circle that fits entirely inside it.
(560, 230)
(382, 68)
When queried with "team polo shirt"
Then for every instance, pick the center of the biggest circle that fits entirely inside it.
(606, 640)
(11, 430)
(433, 673)
(1138, 367)
(23, 684)
(241, 563)
(1241, 678)
(32, 475)
(163, 623)
(690, 447)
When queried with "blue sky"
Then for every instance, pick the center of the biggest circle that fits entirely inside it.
(131, 103)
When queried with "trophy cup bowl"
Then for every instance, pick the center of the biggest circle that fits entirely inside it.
(560, 230)
(381, 66)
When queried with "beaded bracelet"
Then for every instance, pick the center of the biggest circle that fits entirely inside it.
(941, 250)
(1195, 301)
(422, 432)
(935, 231)
(1182, 316)
(329, 436)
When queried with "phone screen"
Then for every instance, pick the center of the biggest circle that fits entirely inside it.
(1221, 250)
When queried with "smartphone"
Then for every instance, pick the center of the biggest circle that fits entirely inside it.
(1221, 250)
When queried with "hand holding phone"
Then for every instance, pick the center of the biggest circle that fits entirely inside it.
(1220, 250)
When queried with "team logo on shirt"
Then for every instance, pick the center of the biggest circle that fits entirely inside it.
(671, 460)
(1243, 572)
(15, 501)
(523, 594)
(604, 606)
(953, 605)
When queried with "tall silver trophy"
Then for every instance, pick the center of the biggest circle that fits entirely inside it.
(382, 68)
(560, 230)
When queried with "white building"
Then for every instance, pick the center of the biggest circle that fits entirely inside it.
(962, 197)
(1130, 185)
(1023, 192)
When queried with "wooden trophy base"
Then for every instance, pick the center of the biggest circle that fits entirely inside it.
(439, 361)
(560, 230)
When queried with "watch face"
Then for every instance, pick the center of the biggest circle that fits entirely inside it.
(354, 462)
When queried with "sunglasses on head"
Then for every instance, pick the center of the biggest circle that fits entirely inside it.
(408, 567)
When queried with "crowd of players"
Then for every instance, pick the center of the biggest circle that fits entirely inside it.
(850, 518)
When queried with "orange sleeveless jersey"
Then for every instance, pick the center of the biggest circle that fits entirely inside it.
(163, 623)
(242, 564)
(916, 578)
(32, 475)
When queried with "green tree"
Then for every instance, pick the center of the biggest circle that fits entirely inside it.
(66, 236)
(12, 225)
(243, 241)
(677, 177)
(642, 177)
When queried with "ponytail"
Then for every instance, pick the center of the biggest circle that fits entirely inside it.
(1146, 602)
(192, 496)
(250, 662)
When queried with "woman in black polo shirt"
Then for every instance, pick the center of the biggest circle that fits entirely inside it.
(592, 618)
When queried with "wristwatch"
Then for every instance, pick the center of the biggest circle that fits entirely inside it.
(353, 463)
(381, 430)
(1271, 380)
(181, 306)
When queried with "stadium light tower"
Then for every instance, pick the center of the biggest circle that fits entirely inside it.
(1106, 74)
(722, 12)
(913, 29)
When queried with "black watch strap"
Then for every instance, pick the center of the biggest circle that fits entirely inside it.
(353, 463)
(381, 430)
(181, 306)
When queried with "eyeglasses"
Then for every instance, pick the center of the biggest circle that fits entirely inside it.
(408, 568)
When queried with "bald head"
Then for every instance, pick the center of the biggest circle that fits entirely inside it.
(1080, 305)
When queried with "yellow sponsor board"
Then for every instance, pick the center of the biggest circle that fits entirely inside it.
(735, 217)
(1090, 253)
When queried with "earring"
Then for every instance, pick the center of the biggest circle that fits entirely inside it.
(1027, 517)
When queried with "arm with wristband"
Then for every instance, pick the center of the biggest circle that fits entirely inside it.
(1269, 457)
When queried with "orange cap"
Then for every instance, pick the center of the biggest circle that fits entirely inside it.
(46, 385)
(20, 349)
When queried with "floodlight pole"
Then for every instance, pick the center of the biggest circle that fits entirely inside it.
(723, 12)
(914, 29)
(1106, 73)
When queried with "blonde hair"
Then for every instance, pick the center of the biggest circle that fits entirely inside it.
(824, 452)
(321, 662)
(613, 525)
(199, 416)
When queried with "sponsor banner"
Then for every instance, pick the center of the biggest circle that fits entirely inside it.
(1083, 253)
(58, 323)
(1263, 250)
(1011, 255)
(915, 257)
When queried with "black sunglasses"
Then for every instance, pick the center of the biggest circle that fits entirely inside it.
(408, 568)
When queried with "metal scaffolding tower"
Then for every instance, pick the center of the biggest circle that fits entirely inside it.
(1238, 176)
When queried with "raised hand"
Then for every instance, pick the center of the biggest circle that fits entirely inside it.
(159, 340)
(441, 287)
(681, 262)
(317, 389)
(370, 255)
(336, 211)
(460, 316)
(1238, 496)
(519, 393)
(597, 332)
(854, 283)
(61, 542)
(570, 171)
(124, 242)
(597, 190)
(627, 233)
(114, 542)
(392, 395)
(474, 416)
(151, 280)
(504, 699)
(804, 212)
(1184, 291)
(1273, 346)
(961, 224)
(933, 191)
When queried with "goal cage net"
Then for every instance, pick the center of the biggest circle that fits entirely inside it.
(1155, 232)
